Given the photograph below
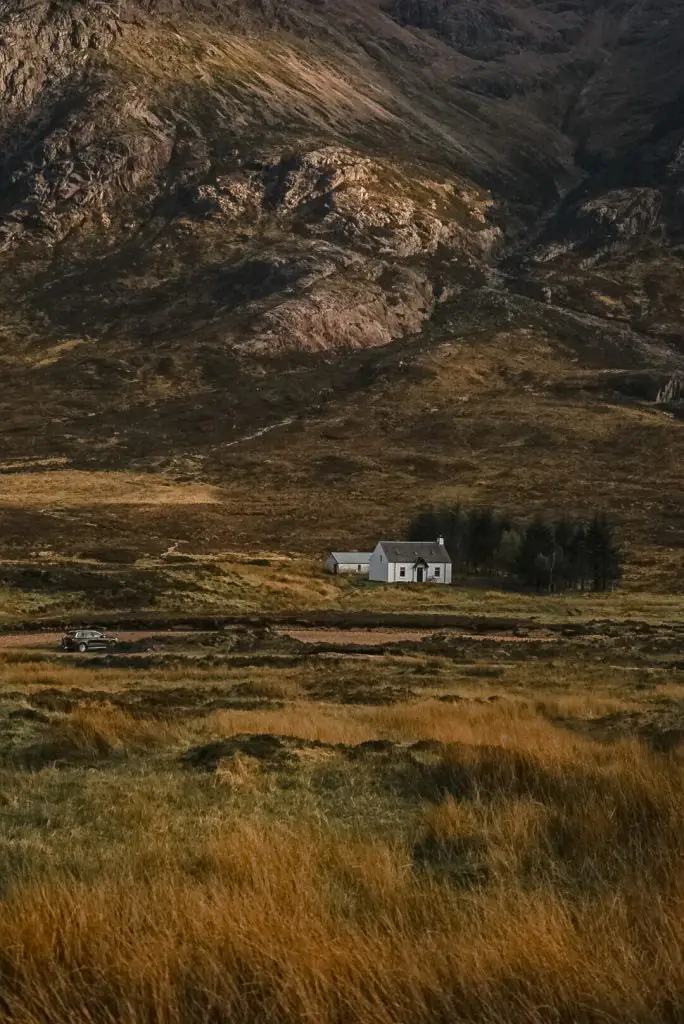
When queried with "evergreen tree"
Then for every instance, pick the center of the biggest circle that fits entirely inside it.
(455, 535)
(603, 552)
(579, 558)
(484, 535)
(552, 557)
(450, 523)
(563, 533)
(534, 563)
(506, 558)
(424, 526)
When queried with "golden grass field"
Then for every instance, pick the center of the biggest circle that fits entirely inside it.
(408, 838)
(235, 583)
(77, 488)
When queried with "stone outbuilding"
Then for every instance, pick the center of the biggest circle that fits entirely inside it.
(347, 561)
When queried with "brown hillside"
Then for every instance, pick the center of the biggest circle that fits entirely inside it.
(441, 242)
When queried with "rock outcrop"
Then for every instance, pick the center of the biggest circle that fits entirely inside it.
(192, 192)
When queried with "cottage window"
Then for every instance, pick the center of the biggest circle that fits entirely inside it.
(437, 571)
(402, 571)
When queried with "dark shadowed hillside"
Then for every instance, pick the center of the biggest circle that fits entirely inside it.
(458, 222)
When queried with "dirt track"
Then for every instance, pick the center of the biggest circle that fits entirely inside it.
(52, 640)
(379, 637)
(342, 637)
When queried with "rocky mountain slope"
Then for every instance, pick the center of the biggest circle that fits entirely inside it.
(220, 215)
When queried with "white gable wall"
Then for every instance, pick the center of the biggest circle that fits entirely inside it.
(444, 572)
(378, 568)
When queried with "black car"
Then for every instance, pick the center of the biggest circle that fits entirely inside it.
(83, 640)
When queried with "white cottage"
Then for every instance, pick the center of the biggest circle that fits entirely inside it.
(396, 561)
(347, 561)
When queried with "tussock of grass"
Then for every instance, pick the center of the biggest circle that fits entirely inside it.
(272, 688)
(116, 728)
(240, 772)
(90, 734)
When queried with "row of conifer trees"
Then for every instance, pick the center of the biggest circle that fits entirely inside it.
(565, 554)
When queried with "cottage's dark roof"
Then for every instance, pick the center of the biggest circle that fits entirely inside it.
(411, 551)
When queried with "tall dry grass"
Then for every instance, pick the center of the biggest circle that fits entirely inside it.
(534, 876)
(264, 924)
(513, 725)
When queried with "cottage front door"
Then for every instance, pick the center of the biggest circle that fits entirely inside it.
(420, 574)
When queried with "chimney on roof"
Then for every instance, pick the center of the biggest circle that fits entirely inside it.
(440, 541)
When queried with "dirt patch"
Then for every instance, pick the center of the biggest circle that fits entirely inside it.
(355, 637)
(383, 637)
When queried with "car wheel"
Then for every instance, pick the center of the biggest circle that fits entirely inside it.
(82, 648)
